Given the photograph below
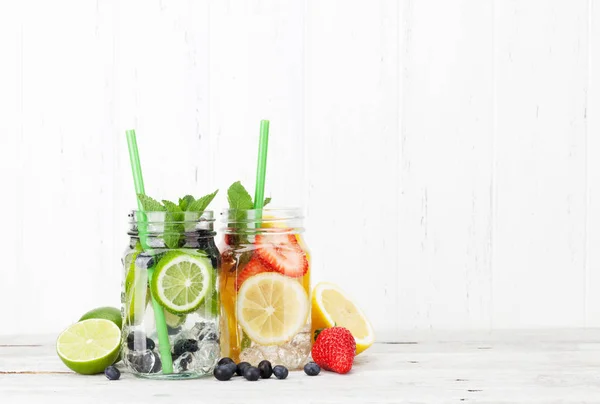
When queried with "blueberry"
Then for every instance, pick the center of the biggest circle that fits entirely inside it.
(223, 372)
(241, 368)
(265, 369)
(224, 361)
(134, 340)
(157, 364)
(150, 344)
(251, 373)
(185, 345)
(280, 372)
(112, 373)
(312, 369)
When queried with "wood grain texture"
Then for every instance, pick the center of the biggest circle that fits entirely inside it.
(444, 151)
(517, 367)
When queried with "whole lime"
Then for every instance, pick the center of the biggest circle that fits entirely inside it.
(107, 313)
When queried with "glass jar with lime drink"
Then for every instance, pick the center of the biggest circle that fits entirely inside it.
(169, 296)
(264, 285)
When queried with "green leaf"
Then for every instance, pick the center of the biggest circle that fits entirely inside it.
(201, 204)
(238, 197)
(173, 224)
(149, 204)
(186, 201)
(267, 201)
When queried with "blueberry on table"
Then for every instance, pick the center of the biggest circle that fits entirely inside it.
(241, 368)
(280, 372)
(312, 369)
(252, 373)
(223, 372)
(265, 368)
(112, 373)
(232, 366)
(224, 361)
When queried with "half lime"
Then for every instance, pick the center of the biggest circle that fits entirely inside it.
(89, 346)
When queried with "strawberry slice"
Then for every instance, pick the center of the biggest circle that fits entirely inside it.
(282, 253)
(253, 267)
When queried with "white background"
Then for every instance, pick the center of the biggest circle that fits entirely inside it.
(445, 151)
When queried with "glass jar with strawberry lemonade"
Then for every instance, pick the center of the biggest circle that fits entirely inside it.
(264, 287)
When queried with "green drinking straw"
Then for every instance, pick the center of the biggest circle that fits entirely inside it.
(159, 314)
(261, 167)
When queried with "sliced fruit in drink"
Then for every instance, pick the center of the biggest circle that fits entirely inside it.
(254, 267)
(174, 320)
(271, 308)
(89, 346)
(331, 307)
(137, 294)
(282, 253)
(181, 281)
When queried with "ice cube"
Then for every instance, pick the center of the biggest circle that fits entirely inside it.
(183, 362)
(205, 330)
(142, 361)
(252, 355)
(207, 355)
(301, 343)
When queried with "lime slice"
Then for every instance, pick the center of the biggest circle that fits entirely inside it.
(174, 320)
(272, 308)
(181, 281)
(107, 313)
(89, 346)
(137, 293)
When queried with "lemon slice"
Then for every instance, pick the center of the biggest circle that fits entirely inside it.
(332, 307)
(271, 308)
(89, 346)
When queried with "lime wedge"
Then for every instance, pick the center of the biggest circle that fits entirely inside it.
(181, 281)
(137, 293)
(89, 346)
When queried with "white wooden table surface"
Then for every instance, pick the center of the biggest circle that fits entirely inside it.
(558, 366)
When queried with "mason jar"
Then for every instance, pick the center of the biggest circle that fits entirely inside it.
(264, 287)
(170, 301)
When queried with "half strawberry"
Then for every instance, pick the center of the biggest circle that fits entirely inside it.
(282, 253)
(253, 267)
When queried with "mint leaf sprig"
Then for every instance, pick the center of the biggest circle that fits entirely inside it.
(175, 214)
(240, 200)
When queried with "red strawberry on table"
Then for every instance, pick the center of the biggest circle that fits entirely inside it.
(253, 267)
(282, 253)
(334, 350)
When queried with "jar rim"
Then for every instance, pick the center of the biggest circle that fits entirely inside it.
(291, 213)
(161, 217)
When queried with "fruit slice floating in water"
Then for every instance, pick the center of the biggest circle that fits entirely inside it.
(282, 253)
(331, 306)
(174, 320)
(181, 281)
(254, 267)
(271, 308)
(89, 346)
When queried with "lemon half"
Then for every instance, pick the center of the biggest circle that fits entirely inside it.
(331, 307)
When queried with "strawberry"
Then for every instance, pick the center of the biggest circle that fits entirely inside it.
(334, 350)
(253, 267)
(282, 253)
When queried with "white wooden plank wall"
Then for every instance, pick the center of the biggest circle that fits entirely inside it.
(445, 151)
